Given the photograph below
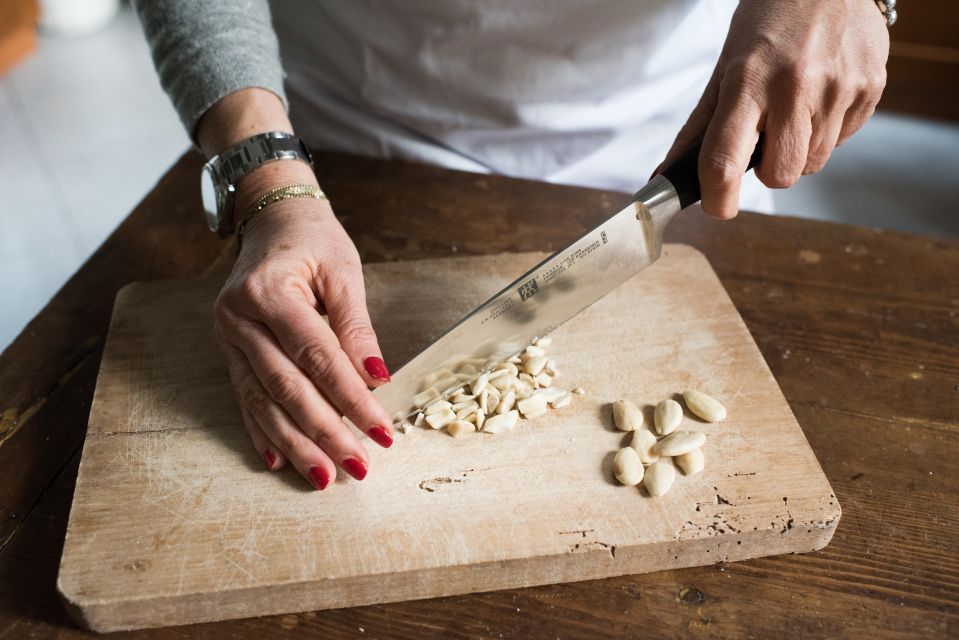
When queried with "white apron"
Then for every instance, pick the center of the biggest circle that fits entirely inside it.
(587, 92)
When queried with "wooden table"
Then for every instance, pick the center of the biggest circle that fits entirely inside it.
(859, 326)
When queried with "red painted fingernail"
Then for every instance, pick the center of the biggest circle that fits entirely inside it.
(319, 476)
(354, 467)
(377, 368)
(269, 458)
(381, 436)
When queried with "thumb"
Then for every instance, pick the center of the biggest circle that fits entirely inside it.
(696, 124)
(350, 321)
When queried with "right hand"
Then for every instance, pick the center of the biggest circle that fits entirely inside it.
(295, 375)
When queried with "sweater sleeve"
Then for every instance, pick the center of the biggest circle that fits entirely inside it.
(204, 50)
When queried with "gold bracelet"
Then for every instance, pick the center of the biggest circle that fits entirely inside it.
(275, 195)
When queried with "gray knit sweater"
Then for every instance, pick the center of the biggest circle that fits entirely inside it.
(206, 49)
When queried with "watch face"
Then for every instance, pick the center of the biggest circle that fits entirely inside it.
(209, 192)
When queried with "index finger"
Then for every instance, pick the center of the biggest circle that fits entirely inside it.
(310, 343)
(727, 146)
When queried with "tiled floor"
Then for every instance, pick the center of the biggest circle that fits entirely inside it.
(86, 132)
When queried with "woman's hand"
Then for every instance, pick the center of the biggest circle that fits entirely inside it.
(808, 74)
(295, 375)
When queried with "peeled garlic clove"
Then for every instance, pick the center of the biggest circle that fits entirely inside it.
(627, 415)
(627, 467)
(667, 416)
(418, 420)
(459, 427)
(501, 422)
(680, 442)
(543, 342)
(659, 478)
(643, 442)
(479, 418)
(706, 407)
(692, 462)
(405, 427)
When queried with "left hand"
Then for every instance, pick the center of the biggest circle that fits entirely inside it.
(808, 74)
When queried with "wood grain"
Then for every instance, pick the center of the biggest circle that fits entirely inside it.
(175, 521)
(923, 66)
(859, 326)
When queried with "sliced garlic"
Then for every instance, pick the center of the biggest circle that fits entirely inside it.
(534, 365)
(440, 420)
(533, 406)
(424, 397)
(507, 402)
(562, 401)
(459, 427)
(479, 384)
(501, 422)
(438, 406)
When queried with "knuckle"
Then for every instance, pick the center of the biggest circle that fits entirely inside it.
(253, 396)
(718, 169)
(356, 330)
(322, 431)
(250, 290)
(877, 81)
(318, 364)
(748, 69)
(283, 387)
(352, 405)
(801, 76)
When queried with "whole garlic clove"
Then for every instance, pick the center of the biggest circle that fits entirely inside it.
(627, 415)
(667, 416)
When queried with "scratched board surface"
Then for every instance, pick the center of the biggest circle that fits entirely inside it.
(174, 520)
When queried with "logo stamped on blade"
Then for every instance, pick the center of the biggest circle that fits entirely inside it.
(527, 290)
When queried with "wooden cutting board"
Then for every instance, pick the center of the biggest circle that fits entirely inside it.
(174, 519)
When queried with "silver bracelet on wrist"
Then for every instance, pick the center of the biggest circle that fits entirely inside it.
(888, 8)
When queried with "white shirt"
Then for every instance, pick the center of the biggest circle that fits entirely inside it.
(588, 92)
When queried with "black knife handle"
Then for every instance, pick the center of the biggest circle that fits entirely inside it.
(683, 173)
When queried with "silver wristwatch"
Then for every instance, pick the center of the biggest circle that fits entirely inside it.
(221, 174)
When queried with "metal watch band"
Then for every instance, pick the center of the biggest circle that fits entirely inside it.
(220, 175)
(888, 8)
(247, 155)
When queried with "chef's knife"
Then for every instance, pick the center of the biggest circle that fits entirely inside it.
(560, 286)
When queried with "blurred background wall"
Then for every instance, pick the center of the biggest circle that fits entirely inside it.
(86, 131)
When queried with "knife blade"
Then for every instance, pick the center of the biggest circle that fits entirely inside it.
(559, 287)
